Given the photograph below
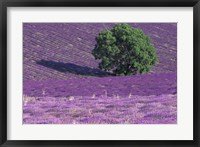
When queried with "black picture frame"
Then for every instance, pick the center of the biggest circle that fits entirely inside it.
(94, 3)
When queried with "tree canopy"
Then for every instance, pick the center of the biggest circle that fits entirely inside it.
(124, 50)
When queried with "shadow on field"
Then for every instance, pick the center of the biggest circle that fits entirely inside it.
(72, 68)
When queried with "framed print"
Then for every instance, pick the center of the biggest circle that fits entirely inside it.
(104, 73)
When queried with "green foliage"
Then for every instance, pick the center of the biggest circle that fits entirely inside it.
(124, 50)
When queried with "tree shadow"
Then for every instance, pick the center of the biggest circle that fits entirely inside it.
(73, 68)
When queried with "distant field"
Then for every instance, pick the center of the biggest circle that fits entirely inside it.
(62, 83)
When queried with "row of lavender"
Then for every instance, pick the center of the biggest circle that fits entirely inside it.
(124, 86)
(69, 45)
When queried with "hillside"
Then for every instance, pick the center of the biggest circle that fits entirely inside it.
(63, 50)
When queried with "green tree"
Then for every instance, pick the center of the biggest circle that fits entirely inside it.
(124, 50)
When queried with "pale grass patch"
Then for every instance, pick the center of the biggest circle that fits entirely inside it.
(139, 115)
(93, 96)
(139, 105)
(71, 98)
(27, 99)
(90, 111)
(116, 96)
(159, 105)
(128, 121)
(43, 92)
(106, 94)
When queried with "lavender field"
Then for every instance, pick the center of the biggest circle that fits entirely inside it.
(62, 83)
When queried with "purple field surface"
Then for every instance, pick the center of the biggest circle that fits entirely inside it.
(108, 100)
(100, 110)
(62, 83)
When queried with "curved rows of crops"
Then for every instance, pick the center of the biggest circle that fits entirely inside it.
(73, 43)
